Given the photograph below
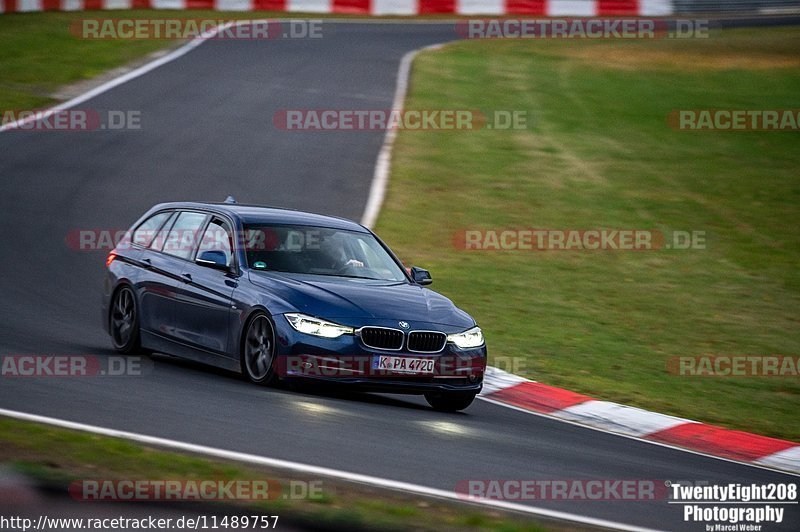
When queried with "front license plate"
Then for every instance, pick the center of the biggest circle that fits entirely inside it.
(403, 364)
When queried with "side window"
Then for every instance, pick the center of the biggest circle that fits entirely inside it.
(183, 236)
(144, 234)
(217, 237)
(161, 235)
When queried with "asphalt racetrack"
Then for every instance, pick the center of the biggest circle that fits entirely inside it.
(207, 132)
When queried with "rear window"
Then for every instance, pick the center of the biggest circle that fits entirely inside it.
(147, 230)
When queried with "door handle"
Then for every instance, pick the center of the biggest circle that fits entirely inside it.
(147, 263)
(186, 277)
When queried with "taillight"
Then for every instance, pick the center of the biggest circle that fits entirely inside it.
(110, 258)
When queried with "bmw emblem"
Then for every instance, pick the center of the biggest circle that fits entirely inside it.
(404, 324)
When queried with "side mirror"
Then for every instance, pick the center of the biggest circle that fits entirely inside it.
(213, 259)
(420, 276)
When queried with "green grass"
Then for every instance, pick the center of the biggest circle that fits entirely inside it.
(598, 153)
(57, 457)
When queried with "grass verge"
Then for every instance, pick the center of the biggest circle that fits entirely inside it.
(598, 153)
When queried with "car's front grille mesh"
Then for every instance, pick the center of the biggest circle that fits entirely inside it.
(426, 341)
(379, 338)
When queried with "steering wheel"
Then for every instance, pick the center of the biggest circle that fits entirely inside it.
(352, 269)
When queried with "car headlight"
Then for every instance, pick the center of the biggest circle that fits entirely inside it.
(467, 339)
(316, 327)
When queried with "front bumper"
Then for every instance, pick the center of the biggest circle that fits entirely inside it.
(347, 361)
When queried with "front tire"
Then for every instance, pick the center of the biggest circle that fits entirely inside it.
(450, 401)
(123, 322)
(258, 351)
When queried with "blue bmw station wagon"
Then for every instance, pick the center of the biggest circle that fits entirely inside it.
(280, 294)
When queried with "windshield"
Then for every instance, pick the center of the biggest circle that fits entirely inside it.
(318, 251)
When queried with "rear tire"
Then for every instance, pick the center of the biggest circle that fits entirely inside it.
(450, 401)
(123, 321)
(258, 350)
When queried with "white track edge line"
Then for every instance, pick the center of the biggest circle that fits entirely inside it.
(380, 177)
(488, 399)
(318, 470)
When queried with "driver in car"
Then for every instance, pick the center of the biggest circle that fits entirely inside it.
(332, 249)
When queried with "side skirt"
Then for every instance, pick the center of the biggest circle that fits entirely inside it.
(158, 343)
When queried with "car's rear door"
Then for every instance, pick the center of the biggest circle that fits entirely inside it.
(203, 301)
(156, 283)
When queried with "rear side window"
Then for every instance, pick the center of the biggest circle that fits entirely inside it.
(147, 230)
(184, 235)
(161, 234)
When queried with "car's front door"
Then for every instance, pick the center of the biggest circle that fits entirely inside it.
(167, 261)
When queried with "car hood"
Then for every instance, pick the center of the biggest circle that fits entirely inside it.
(349, 298)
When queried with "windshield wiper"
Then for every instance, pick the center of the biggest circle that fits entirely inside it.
(358, 277)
